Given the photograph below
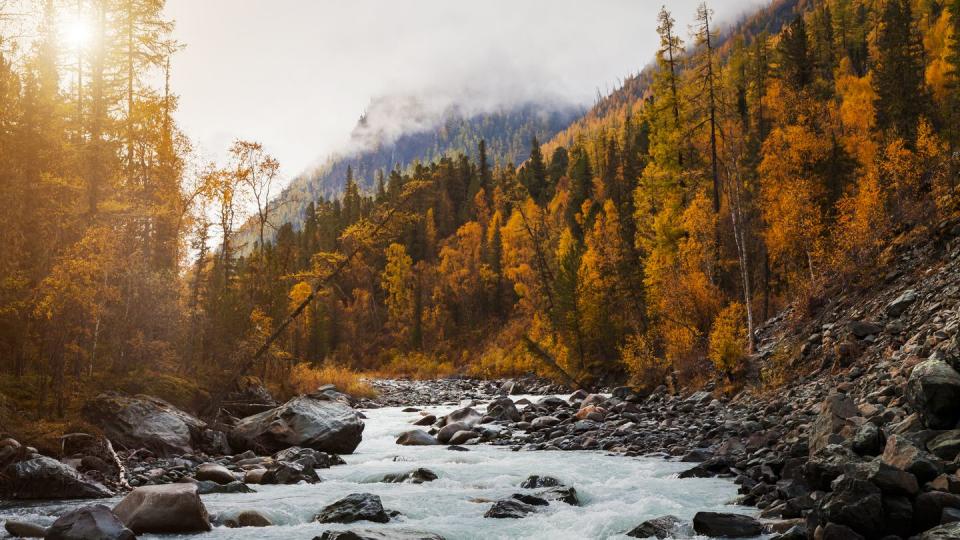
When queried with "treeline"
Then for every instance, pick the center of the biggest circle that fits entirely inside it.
(754, 172)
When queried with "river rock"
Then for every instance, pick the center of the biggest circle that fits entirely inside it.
(536, 481)
(854, 503)
(214, 472)
(290, 472)
(509, 508)
(416, 476)
(354, 507)
(950, 531)
(468, 416)
(427, 420)
(503, 409)
(462, 437)
(46, 478)
(448, 431)
(934, 391)
(371, 534)
(564, 494)
(248, 518)
(169, 508)
(22, 529)
(901, 303)
(145, 422)
(311, 421)
(207, 487)
(94, 522)
(726, 525)
(903, 454)
(660, 527)
(416, 437)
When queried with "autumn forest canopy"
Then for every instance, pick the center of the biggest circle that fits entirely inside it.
(749, 169)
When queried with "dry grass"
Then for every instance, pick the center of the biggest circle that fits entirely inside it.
(305, 378)
(416, 366)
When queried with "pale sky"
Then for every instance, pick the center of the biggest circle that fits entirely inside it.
(296, 74)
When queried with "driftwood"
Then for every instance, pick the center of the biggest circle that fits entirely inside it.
(535, 349)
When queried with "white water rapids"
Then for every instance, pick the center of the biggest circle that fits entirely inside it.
(616, 493)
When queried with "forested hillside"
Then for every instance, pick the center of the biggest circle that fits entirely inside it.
(397, 132)
(645, 243)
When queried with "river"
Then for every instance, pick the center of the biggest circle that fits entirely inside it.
(616, 493)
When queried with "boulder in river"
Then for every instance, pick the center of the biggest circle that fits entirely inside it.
(416, 476)
(371, 534)
(95, 522)
(46, 478)
(659, 527)
(354, 507)
(168, 508)
(416, 437)
(509, 508)
(535, 481)
(311, 421)
(503, 409)
(23, 529)
(726, 525)
(147, 422)
(448, 431)
(468, 416)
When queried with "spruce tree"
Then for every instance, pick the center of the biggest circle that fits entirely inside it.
(898, 78)
(796, 65)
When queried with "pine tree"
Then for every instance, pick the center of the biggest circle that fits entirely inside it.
(899, 74)
(793, 51)
(708, 74)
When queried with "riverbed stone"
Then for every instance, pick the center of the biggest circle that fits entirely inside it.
(46, 478)
(311, 421)
(95, 522)
(416, 437)
(372, 534)
(354, 507)
(143, 421)
(23, 529)
(169, 508)
(214, 472)
(659, 527)
(416, 476)
(726, 525)
(509, 509)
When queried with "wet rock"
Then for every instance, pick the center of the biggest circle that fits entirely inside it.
(94, 522)
(541, 422)
(169, 508)
(214, 472)
(868, 440)
(371, 534)
(933, 390)
(22, 529)
(416, 476)
(532, 500)
(354, 507)
(145, 422)
(468, 416)
(207, 487)
(564, 494)
(834, 531)
(509, 509)
(660, 527)
(463, 437)
(248, 518)
(416, 437)
(854, 503)
(503, 409)
(427, 420)
(46, 478)
(311, 421)
(535, 481)
(726, 525)
(290, 472)
(950, 531)
(448, 431)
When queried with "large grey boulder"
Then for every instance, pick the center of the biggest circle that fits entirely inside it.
(134, 422)
(168, 508)
(659, 527)
(934, 391)
(46, 478)
(468, 416)
(503, 409)
(94, 522)
(312, 421)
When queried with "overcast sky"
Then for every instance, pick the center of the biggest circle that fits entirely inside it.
(296, 74)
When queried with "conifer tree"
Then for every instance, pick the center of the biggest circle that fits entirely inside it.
(899, 73)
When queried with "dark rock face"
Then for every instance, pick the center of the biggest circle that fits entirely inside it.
(945, 446)
(370, 534)
(354, 507)
(726, 525)
(868, 440)
(95, 522)
(934, 391)
(661, 527)
(509, 509)
(47, 478)
(416, 437)
(170, 508)
(903, 454)
(146, 422)
(901, 303)
(416, 476)
(311, 421)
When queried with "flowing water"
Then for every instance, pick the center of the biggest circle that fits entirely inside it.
(616, 493)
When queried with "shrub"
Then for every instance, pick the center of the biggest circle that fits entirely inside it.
(417, 365)
(647, 370)
(728, 340)
(305, 378)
